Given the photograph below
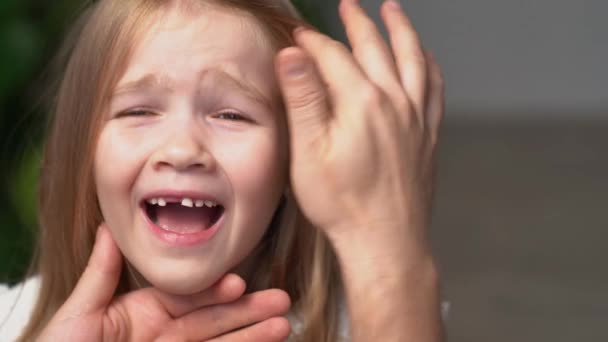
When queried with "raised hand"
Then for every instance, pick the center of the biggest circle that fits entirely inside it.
(364, 127)
(220, 313)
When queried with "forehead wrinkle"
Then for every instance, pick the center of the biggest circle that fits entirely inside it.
(148, 81)
(162, 81)
(246, 24)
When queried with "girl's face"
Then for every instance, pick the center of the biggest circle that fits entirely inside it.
(191, 162)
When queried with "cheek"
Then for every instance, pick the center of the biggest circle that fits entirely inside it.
(116, 167)
(257, 173)
(256, 167)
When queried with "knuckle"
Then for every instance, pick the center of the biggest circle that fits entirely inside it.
(334, 45)
(418, 58)
(364, 23)
(372, 52)
(334, 50)
(410, 123)
(368, 37)
(177, 325)
(216, 316)
(401, 103)
(330, 48)
(307, 96)
(371, 95)
(116, 324)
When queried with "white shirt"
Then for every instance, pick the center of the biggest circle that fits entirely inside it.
(16, 306)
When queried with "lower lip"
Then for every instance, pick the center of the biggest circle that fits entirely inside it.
(183, 240)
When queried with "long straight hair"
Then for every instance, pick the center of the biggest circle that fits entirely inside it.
(293, 255)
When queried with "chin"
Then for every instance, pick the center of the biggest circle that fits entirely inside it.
(184, 283)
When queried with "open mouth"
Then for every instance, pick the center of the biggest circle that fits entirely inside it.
(183, 215)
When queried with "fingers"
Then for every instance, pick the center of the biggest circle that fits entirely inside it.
(337, 68)
(216, 320)
(409, 55)
(270, 330)
(372, 52)
(401, 73)
(96, 286)
(229, 288)
(305, 96)
(435, 104)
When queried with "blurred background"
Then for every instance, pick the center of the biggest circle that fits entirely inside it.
(520, 222)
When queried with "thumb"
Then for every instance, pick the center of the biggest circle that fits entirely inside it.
(305, 96)
(98, 282)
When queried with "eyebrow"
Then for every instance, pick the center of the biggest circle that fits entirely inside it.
(150, 81)
(146, 82)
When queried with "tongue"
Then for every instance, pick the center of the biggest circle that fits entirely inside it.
(180, 219)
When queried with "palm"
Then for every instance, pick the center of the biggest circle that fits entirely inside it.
(136, 316)
(133, 317)
(93, 313)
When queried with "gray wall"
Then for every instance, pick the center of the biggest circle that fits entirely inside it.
(519, 225)
(514, 56)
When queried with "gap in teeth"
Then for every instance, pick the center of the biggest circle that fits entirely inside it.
(186, 202)
(160, 202)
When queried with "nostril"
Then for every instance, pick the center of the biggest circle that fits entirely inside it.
(182, 152)
(183, 162)
(180, 166)
(197, 166)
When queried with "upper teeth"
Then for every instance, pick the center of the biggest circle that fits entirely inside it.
(186, 202)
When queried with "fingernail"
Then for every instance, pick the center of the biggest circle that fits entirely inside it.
(295, 68)
(394, 4)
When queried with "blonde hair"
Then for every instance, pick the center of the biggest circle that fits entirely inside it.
(293, 255)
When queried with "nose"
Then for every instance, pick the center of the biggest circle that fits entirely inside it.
(183, 151)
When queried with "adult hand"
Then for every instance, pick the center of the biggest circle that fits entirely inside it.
(220, 313)
(363, 127)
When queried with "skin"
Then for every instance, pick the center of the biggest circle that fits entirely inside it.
(171, 133)
(384, 101)
(386, 104)
(220, 313)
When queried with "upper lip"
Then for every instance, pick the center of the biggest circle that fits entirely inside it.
(178, 195)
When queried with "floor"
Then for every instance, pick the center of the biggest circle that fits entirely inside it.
(521, 229)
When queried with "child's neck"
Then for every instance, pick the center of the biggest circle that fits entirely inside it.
(135, 280)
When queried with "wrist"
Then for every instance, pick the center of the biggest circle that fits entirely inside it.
(403, 268)
(396, 298)
(386, 243)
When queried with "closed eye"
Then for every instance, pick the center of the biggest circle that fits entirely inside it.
(232, 116)
(135, 112)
